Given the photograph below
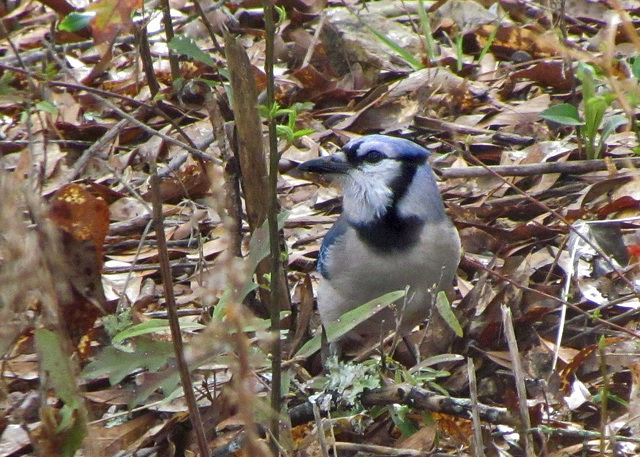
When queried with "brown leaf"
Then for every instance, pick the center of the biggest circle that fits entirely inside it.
(82, 215)
(84, 221)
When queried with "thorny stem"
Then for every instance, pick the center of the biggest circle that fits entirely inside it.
(274, 239)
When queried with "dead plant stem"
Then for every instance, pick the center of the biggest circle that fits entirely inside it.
(168, 31)
(518, 373)
(174, 323)
(274, 236)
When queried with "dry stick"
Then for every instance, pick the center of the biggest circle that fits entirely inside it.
(478, 450)
(274, 233)
(168, 31)
(424, 400)
(140, 32)
(94, 93)
(195, 147)
(579, 434)
(556, 299)
(519, 377)
(574, 167)
(130, 270)
(560, 218)
(209, 26)
(322, 439)
(314, 40)
(232, 199)
(174, 323)
(604, 394)
(376, 449)
(627, 315)
(109, 136)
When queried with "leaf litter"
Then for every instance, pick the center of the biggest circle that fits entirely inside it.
(478, 83)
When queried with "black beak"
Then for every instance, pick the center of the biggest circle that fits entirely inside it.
(332, 164)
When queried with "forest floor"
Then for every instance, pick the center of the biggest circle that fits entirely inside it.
(531, 115)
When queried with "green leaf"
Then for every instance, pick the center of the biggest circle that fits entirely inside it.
(490, 40)
(59, 375)
(434, 360)
(564, 113)
(47, 107)
(610, 125)
(285, 132)
(152, 326)
(635, 67)
(400, 416)
(117, 364)
(406, 55)
(586, 74)
(355, 317)
(76, 20)
(426, 31)
(444, 308)
(186, 46)
(302, 132)
(349, 321)
(56, 365)
(594, 109)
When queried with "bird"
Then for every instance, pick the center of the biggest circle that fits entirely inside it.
(393, 234)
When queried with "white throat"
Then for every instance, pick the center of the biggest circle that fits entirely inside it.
(367, 195)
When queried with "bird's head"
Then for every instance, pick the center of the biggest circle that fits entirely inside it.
(380, 174)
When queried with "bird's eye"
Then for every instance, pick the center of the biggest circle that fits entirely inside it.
(373, 156)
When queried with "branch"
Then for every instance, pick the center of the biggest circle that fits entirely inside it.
(573, 167)
(422, 399)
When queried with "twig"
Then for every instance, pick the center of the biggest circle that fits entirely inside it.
(562, 219)
(555, 299)
(573, 167)
(314, 40)
(580, 434)
(151, 266)
(320, 432)
(231, 170)
(196, 152)
(109, 136)
(168, 31)
(432, 124)
(142, 39)
(518, 373)
(425, 400)
(478, 446)
(604, 396)
(375, 449)
(207, 23)
(174, 322)
(274, 234)
(123, 298)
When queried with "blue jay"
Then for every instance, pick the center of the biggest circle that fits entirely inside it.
(393, 233)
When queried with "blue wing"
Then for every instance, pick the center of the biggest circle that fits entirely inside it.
(333, 235)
